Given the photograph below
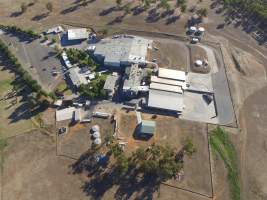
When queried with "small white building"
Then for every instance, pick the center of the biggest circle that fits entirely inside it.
(65, 114)
(55, 30)
(172, 74)
(77, 34)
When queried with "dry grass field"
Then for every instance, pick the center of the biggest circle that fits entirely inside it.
(14, 118)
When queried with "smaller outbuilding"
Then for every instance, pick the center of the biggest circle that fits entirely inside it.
(65, 114)
(147, 128)
(111, 83)
(77, 34)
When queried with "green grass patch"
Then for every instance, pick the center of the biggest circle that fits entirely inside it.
(222, 147)
(63, 88)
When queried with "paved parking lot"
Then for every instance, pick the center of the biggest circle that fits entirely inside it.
(39, 60)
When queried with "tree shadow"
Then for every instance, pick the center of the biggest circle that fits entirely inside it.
(21, 36)
(153, 16)
(50, 54)
(16, 14)
(70, 9)
(103, 179)
(107, 11)
(137, 10)
(40, 17)
(172, 19)
(117, 20)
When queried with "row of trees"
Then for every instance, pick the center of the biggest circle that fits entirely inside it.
(162, 162)
(251, 7)
(14, 29)
(161, 3)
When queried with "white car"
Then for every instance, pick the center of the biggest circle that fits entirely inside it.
(194, 40)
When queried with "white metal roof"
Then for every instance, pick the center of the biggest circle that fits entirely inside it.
(201, 29)
(97, 141)
(77, 114)
(156, 79)
(76, 77)
(96, 134)
(165, 100)
(172, 74)
(77, 34)
(164, 87)
(199, 62)
(65, 114)
(95, 128)
(122, 49)
(193, 28)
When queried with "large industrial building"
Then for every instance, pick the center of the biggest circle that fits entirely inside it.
(122, 50)
(166, 90)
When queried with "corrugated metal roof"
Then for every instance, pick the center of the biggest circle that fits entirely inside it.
(77, 34)
(165, 100)
(110, 82)
(156, 79)
(76, 77)
(65, 114)
(122, 49)
(148, 127)
(164, 87)
(172, 74)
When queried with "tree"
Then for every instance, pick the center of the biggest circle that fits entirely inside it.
(203, 12)
(183, 8)
(189, 146)
(180, 2)
(122, 164)
(158, 161)
(118, 2)
(127, 9)
(49, 6)
(164, 4)
(23, 7)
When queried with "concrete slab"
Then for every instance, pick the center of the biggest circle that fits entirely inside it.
(199, 82)
(197, 109)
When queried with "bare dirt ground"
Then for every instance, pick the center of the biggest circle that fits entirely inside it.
(33, 171)
(78, 139)
(170, 54)
(198, 53)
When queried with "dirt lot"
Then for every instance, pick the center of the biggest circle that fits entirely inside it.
(198, 53)
(171, 54)
(33, 171)
(77, 141)
(197, 168)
